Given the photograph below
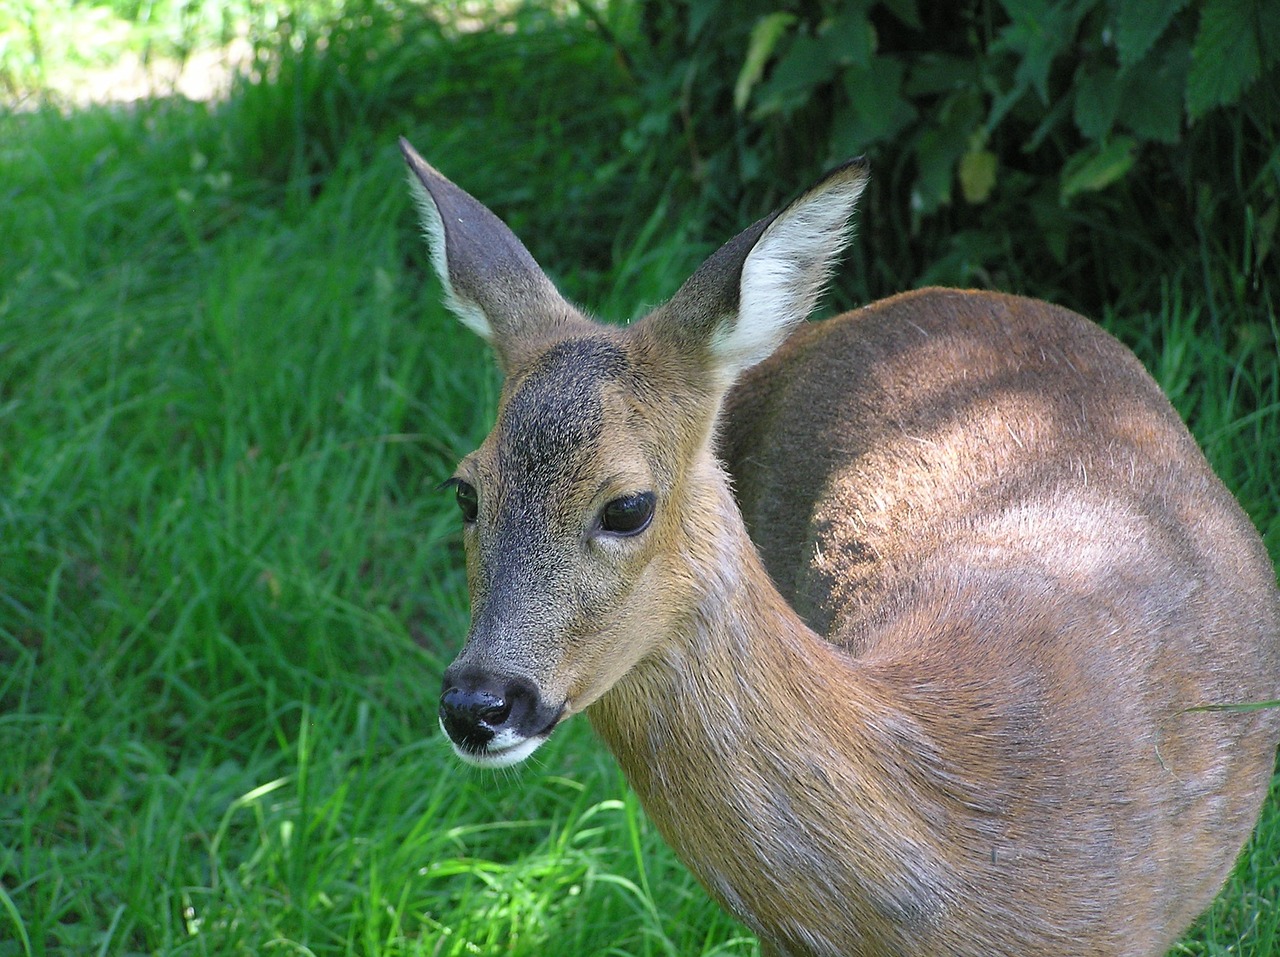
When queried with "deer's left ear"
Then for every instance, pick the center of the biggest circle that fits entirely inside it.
(491, 283)
(744, 300)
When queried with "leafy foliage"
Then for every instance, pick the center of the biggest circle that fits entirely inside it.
(1019, 123)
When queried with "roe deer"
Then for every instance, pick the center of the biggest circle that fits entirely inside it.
(893, 621)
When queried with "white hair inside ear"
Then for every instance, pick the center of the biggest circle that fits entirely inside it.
(787, 270)
(468, 313)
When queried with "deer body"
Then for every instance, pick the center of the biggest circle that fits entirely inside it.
(1011, 778)
(915, 681)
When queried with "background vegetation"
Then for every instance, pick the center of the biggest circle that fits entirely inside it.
(227, 587)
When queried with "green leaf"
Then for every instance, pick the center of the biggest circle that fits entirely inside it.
(701, 13)
(1145, 99)
(977, 175)
(939, 148)
(1242, 708)
(1052, 223)
(934, 165)
(1049, 121)
(1097, 168)
(1039, 32)
(1139, 24)
(1225, 58)
(1152, 94)
(850, 39)
(1097, 99)
(764, 38)
(805, 65)
(934, 73)
(875, 110)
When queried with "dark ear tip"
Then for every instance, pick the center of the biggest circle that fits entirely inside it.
(415, 161)
(854, 172)
(857, 167)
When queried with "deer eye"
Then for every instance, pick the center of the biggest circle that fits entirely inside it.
(468, 499)
(628, 515)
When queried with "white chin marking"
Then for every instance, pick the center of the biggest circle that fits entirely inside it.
(504, 750)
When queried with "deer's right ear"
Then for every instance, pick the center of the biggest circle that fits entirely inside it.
(744, 300)
(491, 283)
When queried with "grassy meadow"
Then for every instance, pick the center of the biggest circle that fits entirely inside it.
(228, 585)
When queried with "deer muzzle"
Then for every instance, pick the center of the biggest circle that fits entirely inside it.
(494, 720)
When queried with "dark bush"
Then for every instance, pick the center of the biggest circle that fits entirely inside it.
(1079, 148)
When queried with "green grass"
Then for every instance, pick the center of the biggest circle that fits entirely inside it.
(227, 585)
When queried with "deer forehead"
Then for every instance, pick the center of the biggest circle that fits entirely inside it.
(554, 423)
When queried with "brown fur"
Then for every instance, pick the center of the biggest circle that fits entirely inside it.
(1034, 574)
(916, 680)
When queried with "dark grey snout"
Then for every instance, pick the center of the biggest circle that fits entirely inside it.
(494, 719)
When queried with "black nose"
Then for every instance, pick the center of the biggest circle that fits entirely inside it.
(473, 708)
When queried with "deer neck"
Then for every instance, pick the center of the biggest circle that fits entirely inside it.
(742, 734)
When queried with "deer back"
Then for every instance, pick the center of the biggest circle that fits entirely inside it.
(988, 501)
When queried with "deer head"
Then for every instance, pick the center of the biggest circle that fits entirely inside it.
(599, 477)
